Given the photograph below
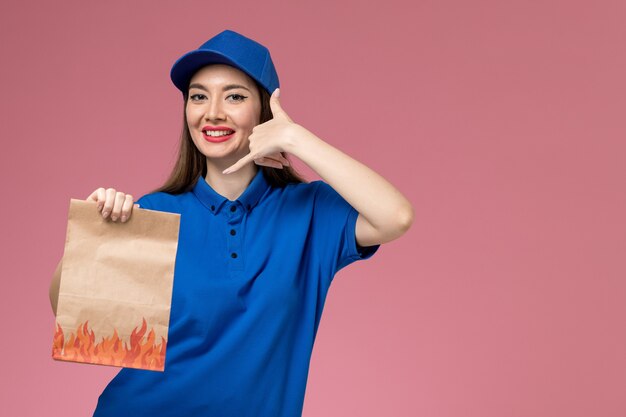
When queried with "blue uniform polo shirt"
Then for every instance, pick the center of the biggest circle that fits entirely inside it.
(250, 281)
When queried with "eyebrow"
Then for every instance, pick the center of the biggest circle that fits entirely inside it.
(226, 87)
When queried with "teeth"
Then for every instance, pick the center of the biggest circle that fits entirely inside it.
(218, 132)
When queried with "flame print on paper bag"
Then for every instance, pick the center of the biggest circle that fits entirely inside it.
(80, 347)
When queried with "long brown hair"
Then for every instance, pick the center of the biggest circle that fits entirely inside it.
(191, 163)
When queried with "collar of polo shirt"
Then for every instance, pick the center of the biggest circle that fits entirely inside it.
(248, 199)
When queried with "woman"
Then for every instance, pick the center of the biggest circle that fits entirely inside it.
(258, 247)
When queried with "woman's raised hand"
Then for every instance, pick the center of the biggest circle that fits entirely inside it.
(115, 203)
(268, 139)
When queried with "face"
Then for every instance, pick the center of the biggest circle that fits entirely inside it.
(223, 97)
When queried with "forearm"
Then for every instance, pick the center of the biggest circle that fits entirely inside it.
(378, 201)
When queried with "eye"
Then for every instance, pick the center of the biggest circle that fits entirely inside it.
(239, 97)
(196, 95)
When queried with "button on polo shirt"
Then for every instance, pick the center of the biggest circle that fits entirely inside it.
(250, 282)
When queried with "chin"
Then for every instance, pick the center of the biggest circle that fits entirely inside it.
(222, 155)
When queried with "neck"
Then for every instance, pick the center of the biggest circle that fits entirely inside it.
(230, 185)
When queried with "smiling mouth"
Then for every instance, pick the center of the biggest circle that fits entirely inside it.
(218, 133)
(217, 136)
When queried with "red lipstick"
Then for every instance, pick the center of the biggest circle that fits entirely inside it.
(217, 139)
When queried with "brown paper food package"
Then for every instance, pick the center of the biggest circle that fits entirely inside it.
(116, 288)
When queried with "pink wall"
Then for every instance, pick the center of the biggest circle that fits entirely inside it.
(503, 123)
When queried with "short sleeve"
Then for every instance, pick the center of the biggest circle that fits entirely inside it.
(335, 222)
(143, 202)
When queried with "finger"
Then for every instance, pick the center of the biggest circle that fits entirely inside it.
(275, 106)
(239, 164)
(269, 162)
(278, 159)
(93, 196)
(117, 206)
(127, 207)
(97, 197)
(109, 201)
(277, 110)
(266, 163)
(102, 196)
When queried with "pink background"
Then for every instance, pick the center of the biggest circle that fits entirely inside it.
(502, 121)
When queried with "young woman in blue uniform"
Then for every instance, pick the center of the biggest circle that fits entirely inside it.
(258, 246)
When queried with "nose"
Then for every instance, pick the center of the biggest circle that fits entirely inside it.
(215, 111)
